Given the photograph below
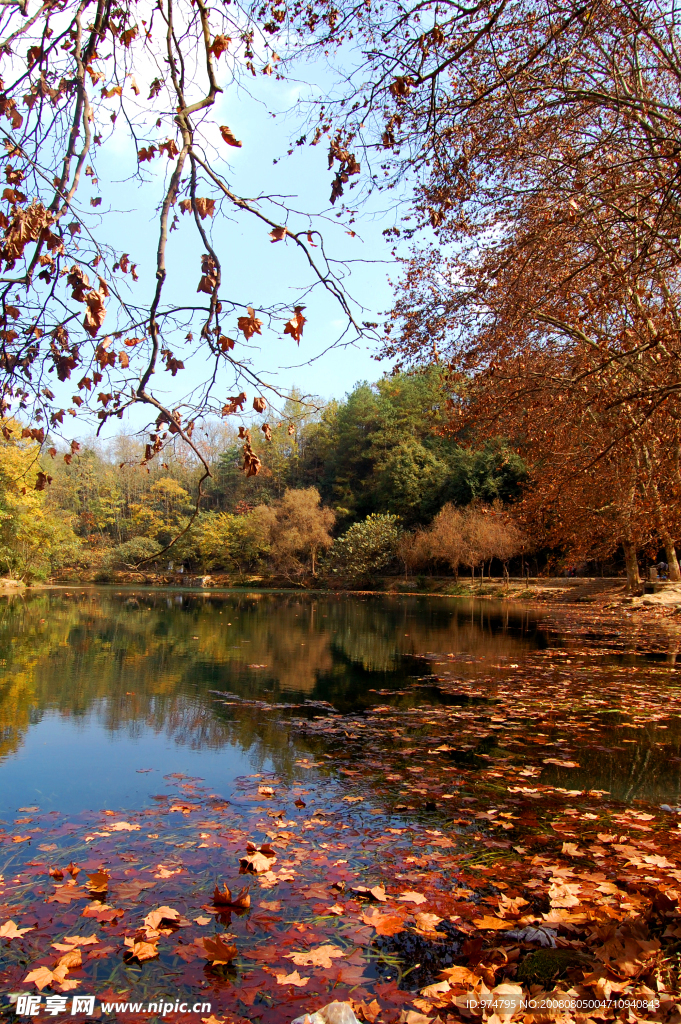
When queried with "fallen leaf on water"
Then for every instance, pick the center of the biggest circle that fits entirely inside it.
(202, 920)
(66, 893)
(384, 924)
(217, 948)
(131, 890)
(427, 923)
(154, 918)
(320, 956)
(291, 979)
(412, 897)
(265, 791)
(123, 826)
(70, 983)
(102, 912)
(43, 976)
(224, 898)
(73, 958)
(257, 860)
(9, 930)
(377, 892)
(69, 941)
(99, 882)
(140, 948)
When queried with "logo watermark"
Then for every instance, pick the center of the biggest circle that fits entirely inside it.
(28, 1004)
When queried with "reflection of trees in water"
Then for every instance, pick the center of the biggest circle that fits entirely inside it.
(142, 662)
(376, 635)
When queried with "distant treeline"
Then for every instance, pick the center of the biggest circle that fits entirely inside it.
(359, 486)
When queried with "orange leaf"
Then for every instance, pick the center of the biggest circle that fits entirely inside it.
(384, 924)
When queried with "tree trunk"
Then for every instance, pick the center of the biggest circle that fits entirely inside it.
(670, 552)
(313, 554)
(633, 578)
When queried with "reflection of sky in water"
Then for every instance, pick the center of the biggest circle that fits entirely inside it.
(98, 684)
(70, 767)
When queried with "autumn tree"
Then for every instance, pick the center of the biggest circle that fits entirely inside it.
(302, 529)
(34, 541)
(80, 333)
(542, 144)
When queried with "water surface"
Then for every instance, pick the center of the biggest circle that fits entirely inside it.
(105, 691)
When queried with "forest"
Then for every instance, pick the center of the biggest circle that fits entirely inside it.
(353, 488)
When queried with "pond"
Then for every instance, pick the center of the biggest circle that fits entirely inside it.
(99, 686)
(376, 773)
(103, 692)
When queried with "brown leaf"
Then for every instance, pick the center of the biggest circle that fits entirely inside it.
(278, 234)
(218, 47)
(71, 959)
(259, 404)
(295, 325)
(154, 917)
(216, 949)
(256, 862)
(411, 897)
(224, 898)
(66, 894)
(102, 912)
(229, 137)
(99, 882)
(205, 207)
(41, 977)
(250, 324)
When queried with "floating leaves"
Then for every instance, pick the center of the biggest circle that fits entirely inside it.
(257, 859)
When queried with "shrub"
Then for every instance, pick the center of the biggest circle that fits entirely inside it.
(366, 548)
